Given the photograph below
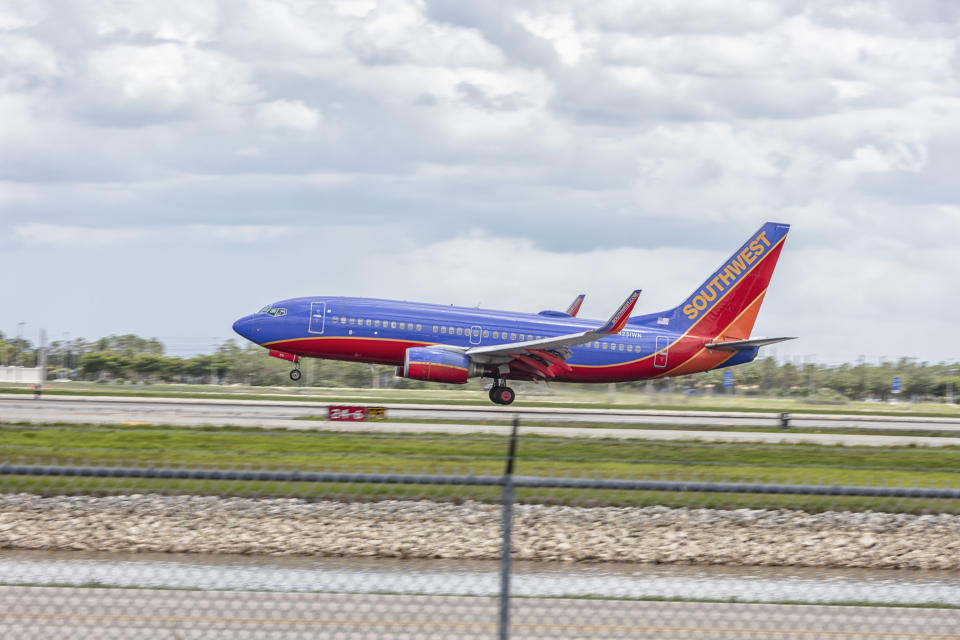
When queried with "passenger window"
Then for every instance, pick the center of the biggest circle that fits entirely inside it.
(513, 336)
(459, 331)
(420, 327)
(435, 328)
(353, 321)
(393, 325)
(604, 345)
(450, 329)
(368, 322)
(521, 337)
(443, 329)
(486, 333)
(496, 335)
(620, 348)
(630, 347)
(336, 318)
(376, 323)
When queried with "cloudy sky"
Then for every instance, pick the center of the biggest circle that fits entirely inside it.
(166, 167)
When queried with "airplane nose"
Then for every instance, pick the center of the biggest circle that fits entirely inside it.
(245, 326)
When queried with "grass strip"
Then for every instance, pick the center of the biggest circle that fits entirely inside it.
(477, 455)
(839, 429)
(54, 486)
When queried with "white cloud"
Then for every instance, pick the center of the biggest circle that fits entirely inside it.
(167, 78)
(900, 157)
(288, 114)
(24, 61)
(399, 33)
(187, 21)
(34, 235)
(19, 14)
(514, 155)
(79, 237)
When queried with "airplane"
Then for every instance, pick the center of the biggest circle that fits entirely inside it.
(710, 329)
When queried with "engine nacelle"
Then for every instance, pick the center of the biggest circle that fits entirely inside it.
(438, 365)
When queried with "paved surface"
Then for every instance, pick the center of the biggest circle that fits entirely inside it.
(191, 412)
(77, 613)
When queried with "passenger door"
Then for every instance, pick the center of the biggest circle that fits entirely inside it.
(318, 312)
(660, 359)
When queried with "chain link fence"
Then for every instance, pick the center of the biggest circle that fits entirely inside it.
(166, 533)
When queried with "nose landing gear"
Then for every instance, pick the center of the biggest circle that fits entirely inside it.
(295, 359)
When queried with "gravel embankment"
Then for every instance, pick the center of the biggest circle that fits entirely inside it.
(422, 529)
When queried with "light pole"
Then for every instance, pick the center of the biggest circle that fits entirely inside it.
(16, 358)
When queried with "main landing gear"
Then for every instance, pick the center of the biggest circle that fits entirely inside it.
(295, 374)
(501, 393)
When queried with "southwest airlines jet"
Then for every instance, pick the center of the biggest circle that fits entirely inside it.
(710, 329)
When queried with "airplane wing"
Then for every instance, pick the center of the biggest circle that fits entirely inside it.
(549, 353)
(574, 307)
(744, 345)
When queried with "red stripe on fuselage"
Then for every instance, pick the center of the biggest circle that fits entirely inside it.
(376, 350)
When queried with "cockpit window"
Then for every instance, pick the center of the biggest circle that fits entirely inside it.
(273, 311)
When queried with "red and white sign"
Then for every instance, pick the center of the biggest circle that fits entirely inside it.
(354, 414)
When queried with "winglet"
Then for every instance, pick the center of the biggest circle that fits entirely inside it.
(574, 307)
(619, 319)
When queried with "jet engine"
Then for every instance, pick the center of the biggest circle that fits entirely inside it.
(438, 365)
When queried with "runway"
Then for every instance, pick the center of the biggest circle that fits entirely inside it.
(106, 410)
(29, 613)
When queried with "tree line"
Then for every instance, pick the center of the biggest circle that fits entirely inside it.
(132, 359)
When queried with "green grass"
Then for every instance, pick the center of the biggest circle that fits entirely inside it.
(527, 422)
(478, 455)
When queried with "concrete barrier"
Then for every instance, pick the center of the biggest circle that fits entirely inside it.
(26, 375)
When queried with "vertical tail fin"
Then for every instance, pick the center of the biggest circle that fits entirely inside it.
(574, 307)
(725, 306)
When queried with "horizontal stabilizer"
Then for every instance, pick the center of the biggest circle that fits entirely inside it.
(744, 345)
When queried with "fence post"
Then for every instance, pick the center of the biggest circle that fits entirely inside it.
(784, 420)
(507, 531)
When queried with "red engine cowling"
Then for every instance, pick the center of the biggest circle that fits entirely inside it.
(438, 365)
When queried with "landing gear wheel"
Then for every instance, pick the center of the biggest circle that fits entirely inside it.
(295, 375)
(502, 395)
